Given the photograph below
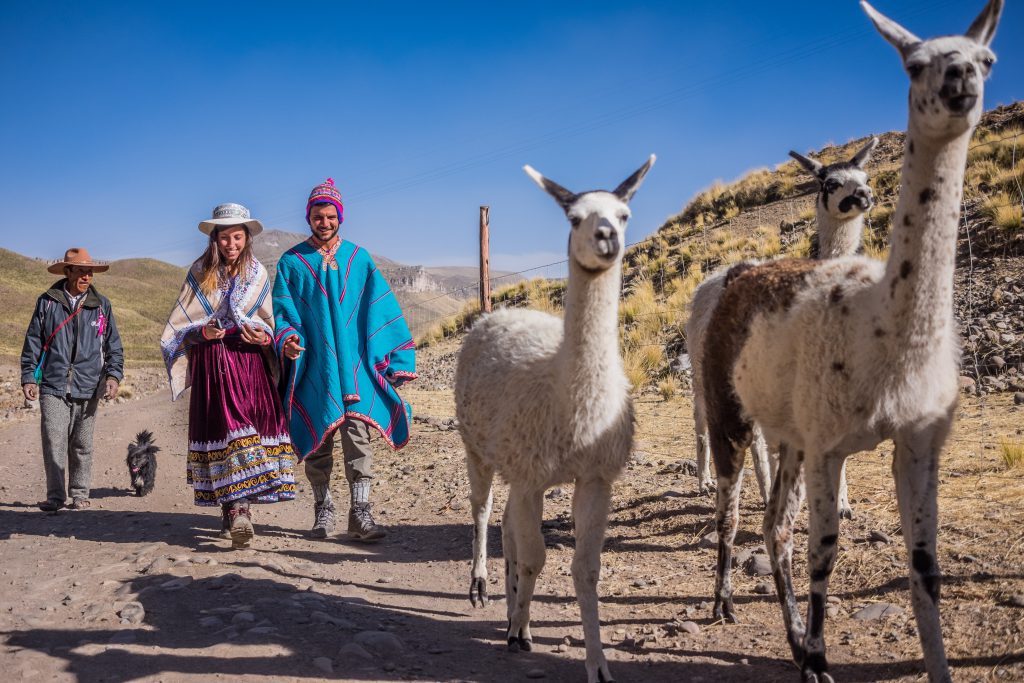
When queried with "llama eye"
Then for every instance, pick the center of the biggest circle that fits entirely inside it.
(915, 70)
(623, 217)
(832, 185)
(574, 221)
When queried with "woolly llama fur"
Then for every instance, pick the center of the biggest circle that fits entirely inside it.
(544, 401)
(836, 356)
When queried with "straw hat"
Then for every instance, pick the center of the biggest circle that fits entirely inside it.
(77, 256)
(231, 214)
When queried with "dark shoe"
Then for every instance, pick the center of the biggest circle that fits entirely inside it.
(225, 522)
(361, 526)
(51, 505)
(323, 524)
(80, 504)
(241, 528)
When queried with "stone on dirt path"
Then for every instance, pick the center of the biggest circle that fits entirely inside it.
(878, 610)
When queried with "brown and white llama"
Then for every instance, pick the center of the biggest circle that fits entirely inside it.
(844, 196)
(836, 356)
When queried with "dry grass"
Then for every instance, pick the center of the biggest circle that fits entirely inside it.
(1012, 453)
(1003, 211)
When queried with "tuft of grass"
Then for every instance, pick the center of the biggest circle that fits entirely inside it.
(634, 368)
(1012, 453)
(807, 215)
(668, 388)
(1003, 212)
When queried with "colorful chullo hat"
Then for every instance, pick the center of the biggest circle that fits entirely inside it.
(327, 193)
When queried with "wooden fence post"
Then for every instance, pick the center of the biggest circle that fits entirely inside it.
(485, 259)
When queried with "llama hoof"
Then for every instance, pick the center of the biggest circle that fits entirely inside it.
(724, 611)
(706, 489)
(604, 679)
(815, 669)
(478, 592)
(845, 512)
(821, 677)
(519, 644)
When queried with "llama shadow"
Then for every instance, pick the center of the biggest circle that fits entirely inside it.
(241, 626)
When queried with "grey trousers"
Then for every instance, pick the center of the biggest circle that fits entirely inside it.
(67, 427)
(355, 446)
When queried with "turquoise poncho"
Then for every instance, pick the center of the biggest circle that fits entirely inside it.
(358, 345)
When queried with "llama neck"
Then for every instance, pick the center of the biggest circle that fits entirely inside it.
(838, 237)
(590, 361)
(918, 284)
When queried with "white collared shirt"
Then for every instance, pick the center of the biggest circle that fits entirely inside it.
(73, 300)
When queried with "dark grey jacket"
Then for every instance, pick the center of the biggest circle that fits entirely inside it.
(82, 355)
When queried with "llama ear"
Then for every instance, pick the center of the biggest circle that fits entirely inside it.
(984, 27)
(898, 37)
(810, 165)
(862, 156)
(630, 185)
(564, 197)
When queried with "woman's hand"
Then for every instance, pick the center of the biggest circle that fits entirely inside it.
(211, 331)
(254, 335)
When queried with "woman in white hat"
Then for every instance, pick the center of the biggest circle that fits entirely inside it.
(218, 340)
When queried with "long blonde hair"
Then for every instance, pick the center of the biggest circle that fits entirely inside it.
(212, 262)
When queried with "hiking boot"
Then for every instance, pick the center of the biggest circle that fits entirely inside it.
(225, 522)
(323, 523)
(241, 528)
(361, 526)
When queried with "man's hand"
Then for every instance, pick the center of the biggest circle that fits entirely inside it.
(31, 391)
(291, 349)
(111, 389)
(253, 335)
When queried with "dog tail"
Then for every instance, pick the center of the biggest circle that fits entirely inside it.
(144, 439)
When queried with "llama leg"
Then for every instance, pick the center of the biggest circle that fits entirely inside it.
(705, 484)
(508, 549)
(762, 465)
(783, 506)
(915, 468)
(729, 464)
(590, 516)
(822, 546)
(845, 511)
(480, 496)
(530, 556)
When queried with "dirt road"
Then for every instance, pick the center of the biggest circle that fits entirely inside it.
(142, 589)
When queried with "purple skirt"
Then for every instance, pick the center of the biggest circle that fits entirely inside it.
(238, 442)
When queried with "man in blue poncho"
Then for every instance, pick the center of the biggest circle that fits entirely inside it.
(344, 347)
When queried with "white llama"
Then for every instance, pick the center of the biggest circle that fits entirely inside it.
(544, 401)
(833, 357)
(844, 196)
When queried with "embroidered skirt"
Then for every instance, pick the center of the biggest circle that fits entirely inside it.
(238, 443)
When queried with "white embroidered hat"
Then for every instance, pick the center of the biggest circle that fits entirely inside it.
(231, 214)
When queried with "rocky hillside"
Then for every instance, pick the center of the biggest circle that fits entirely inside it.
(770, 212)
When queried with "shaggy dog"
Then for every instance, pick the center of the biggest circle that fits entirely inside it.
(142, 463)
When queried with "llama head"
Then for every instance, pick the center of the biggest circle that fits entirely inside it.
(947, 74)
(843, 189)
(598, 218)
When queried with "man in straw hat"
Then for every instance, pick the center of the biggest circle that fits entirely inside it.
(72, 355)
(346, 348)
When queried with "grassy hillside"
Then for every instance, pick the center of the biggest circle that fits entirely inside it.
(769, 212)
(141, 291)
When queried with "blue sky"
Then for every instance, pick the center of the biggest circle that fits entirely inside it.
(123, 124)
